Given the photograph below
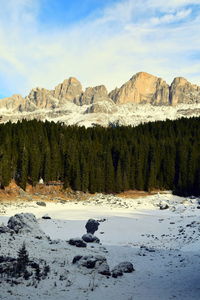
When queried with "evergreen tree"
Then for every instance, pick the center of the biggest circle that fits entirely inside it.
(22, 259)
(162, 155)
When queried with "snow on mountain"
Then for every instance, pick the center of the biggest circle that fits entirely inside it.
(144, 98)
(124, 114)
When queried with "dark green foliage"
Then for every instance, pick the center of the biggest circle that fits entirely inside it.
(160, 155)
(38, 273)
(22, 259)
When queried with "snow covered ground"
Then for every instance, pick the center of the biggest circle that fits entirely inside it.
(163, 245)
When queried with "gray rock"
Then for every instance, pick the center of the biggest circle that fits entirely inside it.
(163, 205)
(76, 258)
(104, 269)
(123, 267)
(5, 229)
(25, 223)
(92, 226)
(41, 203)
(116, 273)
(90, 238)
(46, 217)
(77, 242)
(97, 262)
(89, 263)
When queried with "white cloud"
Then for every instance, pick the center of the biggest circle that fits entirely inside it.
(124, 40)
(172, 17)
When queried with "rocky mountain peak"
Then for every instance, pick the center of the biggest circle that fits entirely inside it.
(179, 81)
(69, 90)
(182, 91)
(94, 95)
(12, 103)
(142, 88)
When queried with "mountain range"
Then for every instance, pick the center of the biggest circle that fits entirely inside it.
(143, 98)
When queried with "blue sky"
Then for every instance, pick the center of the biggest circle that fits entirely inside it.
(42, 42)
(64, 13)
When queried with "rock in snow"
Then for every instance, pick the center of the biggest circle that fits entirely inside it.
(77, 242)
(123, 267)
(104, 269)
(90, 238)
(5, 229)
(97, 262)
(41, 203)
(92, 226)
(46, 217)
(163, 205)
(25, 224)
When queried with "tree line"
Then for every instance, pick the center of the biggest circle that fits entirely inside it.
(159, 155)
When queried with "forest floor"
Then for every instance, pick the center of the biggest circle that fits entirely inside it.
(54, 193)
(163, 245)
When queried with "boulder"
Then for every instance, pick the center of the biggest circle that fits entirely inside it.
(163, 205)
(104, 269)
(123, 267)
(90, 238)
(25, 223)
(46, 217)
(97, 262)
(76, 258)
(41, 203)
(92, 226)
(5, 229)
(116, 272)
(77, 242)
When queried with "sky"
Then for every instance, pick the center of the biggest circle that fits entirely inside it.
(43, 42)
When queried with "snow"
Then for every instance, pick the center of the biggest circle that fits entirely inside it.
(163, 245)
(123, 114)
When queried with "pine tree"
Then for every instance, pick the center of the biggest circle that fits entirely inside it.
(22, 259)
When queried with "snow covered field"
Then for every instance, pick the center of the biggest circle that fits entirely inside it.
(162, 245)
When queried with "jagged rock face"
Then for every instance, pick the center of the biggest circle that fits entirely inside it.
(106, 107)
(142, 88)
(12, 103)
(182, 91)
(94, 95)
(40, 98)
(69, 90)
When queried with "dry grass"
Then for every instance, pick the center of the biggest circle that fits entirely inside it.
(56, 193)
(138, 194)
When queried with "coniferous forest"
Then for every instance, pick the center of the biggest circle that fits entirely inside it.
(160, 155)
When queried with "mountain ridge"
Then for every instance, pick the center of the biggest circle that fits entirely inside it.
(140, 91)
